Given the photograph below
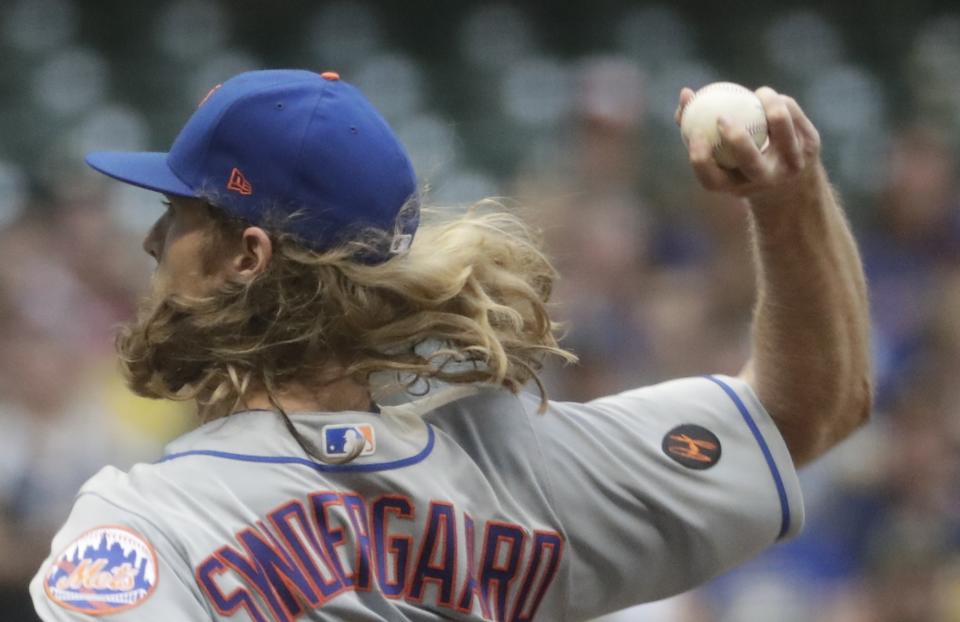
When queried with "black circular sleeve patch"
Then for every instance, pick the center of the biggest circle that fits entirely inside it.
(693, 446)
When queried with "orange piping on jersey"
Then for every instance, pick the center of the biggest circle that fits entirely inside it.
(525, 607)
(357, 523)
(321, 563)
(389, 544)
(500, 612)
(443, 542)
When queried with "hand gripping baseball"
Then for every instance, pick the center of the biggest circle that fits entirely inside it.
(791, 157)
(811, 326)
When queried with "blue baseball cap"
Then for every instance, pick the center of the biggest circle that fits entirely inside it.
(266, 145)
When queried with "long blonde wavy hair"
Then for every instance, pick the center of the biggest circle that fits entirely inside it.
(475, 286)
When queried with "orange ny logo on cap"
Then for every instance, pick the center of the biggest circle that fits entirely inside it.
(239, 183)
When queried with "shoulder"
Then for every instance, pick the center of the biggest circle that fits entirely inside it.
(142, 487)
(106, 556)
(113, 497)
(149, 499)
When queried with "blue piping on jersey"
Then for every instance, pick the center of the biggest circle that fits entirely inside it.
(774, 471)
(323, 468)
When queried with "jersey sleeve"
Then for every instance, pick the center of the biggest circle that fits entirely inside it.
(661, 488)
(110, 564)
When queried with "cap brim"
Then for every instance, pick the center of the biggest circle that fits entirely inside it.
(145, 169)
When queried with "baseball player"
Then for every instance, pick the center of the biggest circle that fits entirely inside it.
(295, 284)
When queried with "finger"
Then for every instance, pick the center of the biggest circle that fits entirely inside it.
(803, 124)
(708, 173)
(740, 143)
(686, 95)
(783, 136)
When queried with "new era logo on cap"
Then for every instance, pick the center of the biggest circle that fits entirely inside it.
(239, 183)
(341, 439)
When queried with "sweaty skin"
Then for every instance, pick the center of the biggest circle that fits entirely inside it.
(810, 362)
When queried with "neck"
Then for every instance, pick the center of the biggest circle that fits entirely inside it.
(338, 395)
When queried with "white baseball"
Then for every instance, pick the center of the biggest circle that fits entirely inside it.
(738, 103)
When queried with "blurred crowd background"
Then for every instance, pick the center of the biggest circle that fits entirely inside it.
(566, 108)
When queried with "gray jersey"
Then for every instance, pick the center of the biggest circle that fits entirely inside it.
(466, 505)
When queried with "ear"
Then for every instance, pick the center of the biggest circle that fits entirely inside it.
(256, 250)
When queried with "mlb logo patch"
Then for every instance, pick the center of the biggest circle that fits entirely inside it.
(342, 439)
(105, 570)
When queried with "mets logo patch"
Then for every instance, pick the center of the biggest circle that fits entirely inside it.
(105, 570)
(693, 446)
(342, 439)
